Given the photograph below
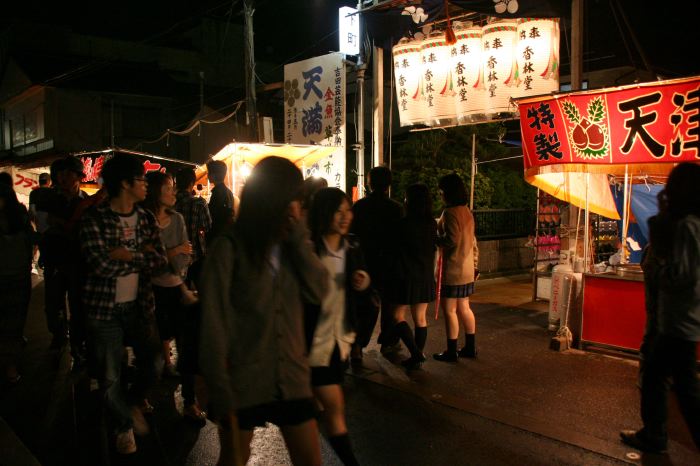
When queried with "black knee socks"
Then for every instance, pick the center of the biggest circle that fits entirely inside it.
(404, 332)
(421, 337)
(469, 350)
(341, 446)
(451, 345)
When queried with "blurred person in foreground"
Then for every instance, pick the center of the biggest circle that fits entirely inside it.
(671, 267)
(253, 349)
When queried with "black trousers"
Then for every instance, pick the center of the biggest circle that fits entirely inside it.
(61, 282)
(388, 335)
(675, 358)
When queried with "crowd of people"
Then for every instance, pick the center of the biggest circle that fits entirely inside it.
(271, 297)
(268, 299)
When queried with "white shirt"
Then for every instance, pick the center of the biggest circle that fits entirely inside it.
(332, 328)
(128, 285)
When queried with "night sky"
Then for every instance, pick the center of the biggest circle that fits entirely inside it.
(291, 30)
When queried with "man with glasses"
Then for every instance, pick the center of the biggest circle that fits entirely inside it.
(121, 244)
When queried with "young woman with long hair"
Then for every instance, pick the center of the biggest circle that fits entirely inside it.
(256, 277)
(169, 289)
(412, 282)
(460, 256)
(333, 329)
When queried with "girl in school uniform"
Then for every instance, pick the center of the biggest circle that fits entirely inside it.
(332, 325)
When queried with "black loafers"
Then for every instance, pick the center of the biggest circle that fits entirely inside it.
(634, 440)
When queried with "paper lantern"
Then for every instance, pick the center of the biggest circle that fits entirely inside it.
(538, 57)
(470, 91)
(438, 79)
(498, 58)
(407, 77)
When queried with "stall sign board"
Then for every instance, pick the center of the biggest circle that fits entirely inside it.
(92, 166)
(314, 112)
(23, 181)
(641, 124)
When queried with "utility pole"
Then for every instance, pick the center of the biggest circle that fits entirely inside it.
(249, 59)
(360, 145)
(377, 106)
(576, 83)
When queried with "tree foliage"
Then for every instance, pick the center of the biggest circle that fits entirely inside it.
(426, 156)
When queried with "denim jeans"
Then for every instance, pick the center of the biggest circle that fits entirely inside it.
(108, 339)
(675, 358)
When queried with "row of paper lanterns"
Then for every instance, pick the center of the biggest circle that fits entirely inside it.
(475, 78)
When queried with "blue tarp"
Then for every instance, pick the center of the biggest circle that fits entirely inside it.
(643, 205)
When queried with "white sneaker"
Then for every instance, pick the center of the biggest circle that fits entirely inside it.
(126, 444)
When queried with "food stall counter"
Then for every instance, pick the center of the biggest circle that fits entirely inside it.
(613, 310)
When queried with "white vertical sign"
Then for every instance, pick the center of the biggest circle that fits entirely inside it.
(349, 30)
(314, 112)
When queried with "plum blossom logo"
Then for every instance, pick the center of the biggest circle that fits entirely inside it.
(291, 91)
(589, 134)
(506, 5)
(418, 15)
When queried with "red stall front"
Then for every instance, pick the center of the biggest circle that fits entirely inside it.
(575, 145)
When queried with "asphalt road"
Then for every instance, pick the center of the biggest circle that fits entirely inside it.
(391, 427)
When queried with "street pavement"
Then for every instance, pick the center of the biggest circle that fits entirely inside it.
(518, 403)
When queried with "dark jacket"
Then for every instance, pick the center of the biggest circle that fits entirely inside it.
(373, 219)
(252, 348)
(672, 278)
(221, 209)
(412, 251)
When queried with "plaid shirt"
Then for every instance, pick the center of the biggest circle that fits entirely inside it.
(100, 233)
(197, 220)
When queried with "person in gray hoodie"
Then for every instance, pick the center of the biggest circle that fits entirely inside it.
(253, 350)
(672, 283)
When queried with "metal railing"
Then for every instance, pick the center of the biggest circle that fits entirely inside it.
(504, 223)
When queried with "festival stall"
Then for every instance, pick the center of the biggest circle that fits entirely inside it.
(24, 179)
(93, 161)
(240, 158)
(576, 145)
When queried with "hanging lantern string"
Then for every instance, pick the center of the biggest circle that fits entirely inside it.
(194, 125)
(449, 33)
(474, 17)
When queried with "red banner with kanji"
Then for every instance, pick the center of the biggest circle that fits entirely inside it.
(641, 124)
